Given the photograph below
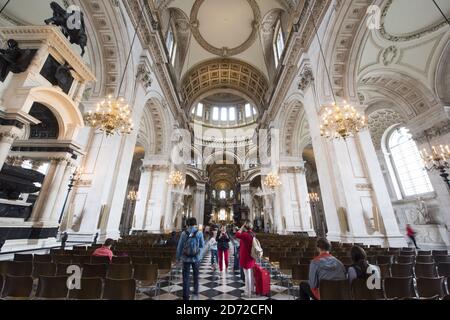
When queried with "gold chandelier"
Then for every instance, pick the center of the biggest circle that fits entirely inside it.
(272, 180)
(341, 122)
(313, 197)
(438, 160)
(111, 116)
(133, 196)
(176, 179)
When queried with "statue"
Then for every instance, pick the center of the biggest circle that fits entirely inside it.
(63, 76)
(13, 59)
(64, 238)
(75, 32)
(423, 216)
(95, 239)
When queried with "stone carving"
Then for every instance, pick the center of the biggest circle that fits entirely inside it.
(145, 76)
(225, 52)
(379, 121)
(305, 79)
(13, 59)
(76, 32)
(389, 55)
(364, 187)
(436, 131)
(63, 75)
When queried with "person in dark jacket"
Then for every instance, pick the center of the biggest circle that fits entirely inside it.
(323, 267)
(223, 246)
(361, 269)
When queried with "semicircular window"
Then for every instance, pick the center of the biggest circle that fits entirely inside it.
(48, 128)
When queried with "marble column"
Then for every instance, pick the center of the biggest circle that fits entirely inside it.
(52, 194)
(199, 203)
(7, 137)
(44, 192)
(351, 181)
(62, 193)
(144, 194)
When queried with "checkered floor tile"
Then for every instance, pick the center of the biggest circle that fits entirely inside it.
(216, 285)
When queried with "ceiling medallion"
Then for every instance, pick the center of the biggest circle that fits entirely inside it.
(224, 51)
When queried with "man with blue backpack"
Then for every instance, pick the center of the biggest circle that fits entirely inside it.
(189, 252)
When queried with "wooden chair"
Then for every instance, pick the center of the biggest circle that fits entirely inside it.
(100, 260)
(399, 288)
(44, 269)
(424, 253)
(402, 270)
(385, 259)
(120, 271)
(360, 291)
(425, 270)
(58, 258)
(405, 259)
(61, 269)
(91, 289)
(17, 287)
(81, 259)
(121, 260)
(141, 260)
(52, 287)
(439, 252)
(334, 289)
(19, 269)
(424, 259)
(444, 269)
(430, 287)
(119, 289)
(94, 270)
(439, 259)
(300, 273)
(3, 267)
(385, 270)
(146, 276)
(42, 258)
(23, 257)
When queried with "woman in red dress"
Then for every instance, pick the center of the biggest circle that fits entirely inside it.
(246, 235)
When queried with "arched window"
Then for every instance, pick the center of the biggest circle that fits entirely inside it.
(171, 45)
(223, 194)
(278, 43)
(407, 164)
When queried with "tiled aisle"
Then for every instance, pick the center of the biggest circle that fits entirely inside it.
(214, 285)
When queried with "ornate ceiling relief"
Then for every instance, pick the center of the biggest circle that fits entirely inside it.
(224, 73)
(406, 37)
(407, 92)
(379, 121)
(225, 52)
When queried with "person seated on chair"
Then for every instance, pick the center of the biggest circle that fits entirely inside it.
(361, 269)
(105, 250)
(323, 267)
(172, 242)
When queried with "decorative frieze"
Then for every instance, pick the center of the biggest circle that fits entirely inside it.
(306, 78)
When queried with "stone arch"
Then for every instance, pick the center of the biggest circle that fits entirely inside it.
(294, 129)
(69, 118)
(217, 157)
(407, 92)
(154, 130)
(442, 79)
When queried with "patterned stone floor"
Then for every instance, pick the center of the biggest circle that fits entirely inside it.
(214, 285)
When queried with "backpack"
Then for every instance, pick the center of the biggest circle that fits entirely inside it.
(191, 247)
(257, 251)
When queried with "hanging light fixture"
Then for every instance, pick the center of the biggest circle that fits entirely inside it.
(272, 180)
(438, 160)
(113, 115)
(339, 121)
(176, 179)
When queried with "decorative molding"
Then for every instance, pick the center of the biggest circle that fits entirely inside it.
(364, 187)
(379, 121)
(306, 78)
(408, 37)
(144, 75)
(438, 130)
(224, 73)
(225, 52)
(389, 55)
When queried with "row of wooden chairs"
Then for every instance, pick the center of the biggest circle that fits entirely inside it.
(391, 288)
(55, 287)
(115, 271)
